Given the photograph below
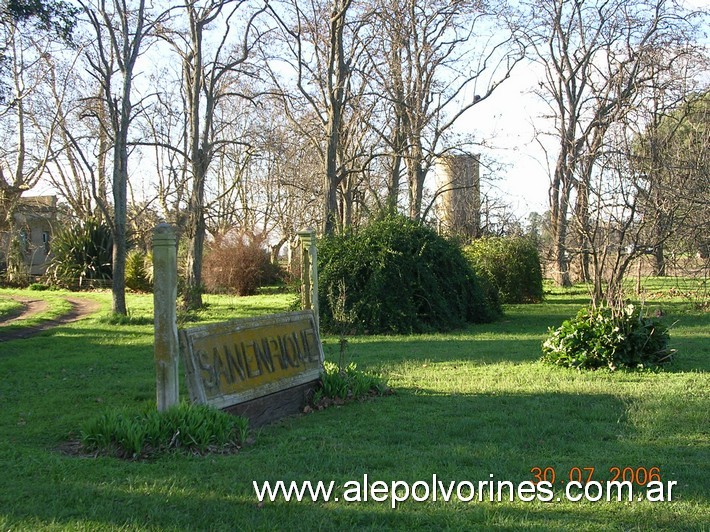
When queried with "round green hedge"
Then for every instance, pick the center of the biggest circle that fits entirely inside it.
(398, 276)
(511, 264)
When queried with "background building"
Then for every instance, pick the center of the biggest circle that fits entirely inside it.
(33, 222)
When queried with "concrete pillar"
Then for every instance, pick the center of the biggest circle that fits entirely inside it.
(165, 312)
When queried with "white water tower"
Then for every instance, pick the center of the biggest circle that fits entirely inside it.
(459, 203)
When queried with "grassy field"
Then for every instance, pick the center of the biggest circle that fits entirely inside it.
(56, 306)
(8, 308)
(468, 405)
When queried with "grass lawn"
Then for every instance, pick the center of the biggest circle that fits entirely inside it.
(56, 306)
(468, 405)
(8, 308)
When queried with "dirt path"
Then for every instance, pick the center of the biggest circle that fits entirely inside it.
(80, 309)
(30, 307)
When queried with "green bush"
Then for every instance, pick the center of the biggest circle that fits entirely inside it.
(398, 276)
(81, 254)
(608, 338)
(184, 427)
(139, 270)
(512, 265)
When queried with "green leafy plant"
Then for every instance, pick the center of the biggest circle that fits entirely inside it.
(81, 256)
(139, 270)
(346, 383)
(606, 337)
(511, 264)
(184, 427)
(399, 276)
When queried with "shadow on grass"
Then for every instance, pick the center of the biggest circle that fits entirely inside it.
(377, 352)
(409, 437)
(53, 382)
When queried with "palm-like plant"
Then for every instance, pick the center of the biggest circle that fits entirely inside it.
(80, 254)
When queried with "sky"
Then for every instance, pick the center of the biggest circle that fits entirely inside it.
(505, 120)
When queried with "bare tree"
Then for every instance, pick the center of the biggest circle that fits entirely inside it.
(595, 57)
(25, 152)
(78, 149)
(119, 32)
(325, 56)
(268, 189)
(670, 156)
(440, 59)
(206, 75)
(668, 152)
(165, 130)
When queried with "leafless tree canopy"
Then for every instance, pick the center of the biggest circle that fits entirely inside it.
(269, 117)
(603, 61)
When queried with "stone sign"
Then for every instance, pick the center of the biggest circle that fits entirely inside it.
(252, 366)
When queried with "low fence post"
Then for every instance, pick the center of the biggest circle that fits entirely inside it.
(166, 346)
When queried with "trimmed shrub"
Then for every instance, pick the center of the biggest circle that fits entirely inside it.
(238, 264)
(512, 265)
(610, 338)
(81, 254)
(398, 276)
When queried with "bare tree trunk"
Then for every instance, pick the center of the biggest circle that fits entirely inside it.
(120, 202)
(398, 137)
(196, 231)
(337, 77)
(119, 46)
(659, 258)
(583, 229)
(193, 71)
(416, 183)
(559, 202)
(275, 250)
(330, 181)
(104, 147)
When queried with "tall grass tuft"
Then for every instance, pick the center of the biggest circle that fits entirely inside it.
(194, 429)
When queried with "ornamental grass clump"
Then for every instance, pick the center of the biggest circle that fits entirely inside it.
(82, 256)
(607, 337)
(339, 385)
(189, 428)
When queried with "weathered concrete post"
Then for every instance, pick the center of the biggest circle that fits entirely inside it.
(165, 312)
(309, 272)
